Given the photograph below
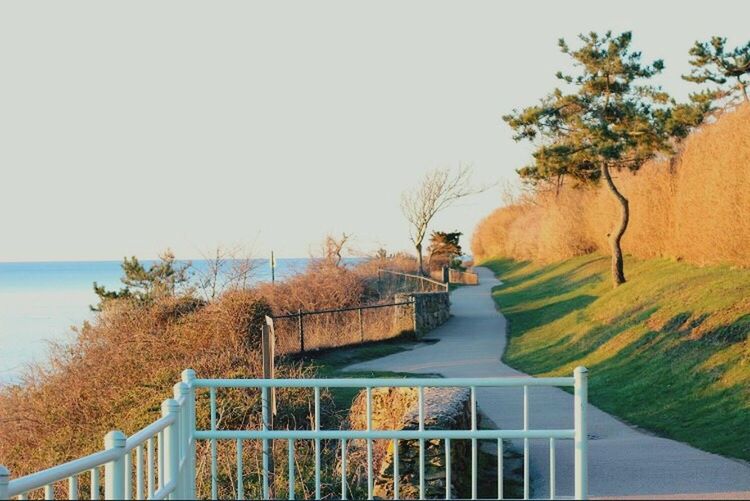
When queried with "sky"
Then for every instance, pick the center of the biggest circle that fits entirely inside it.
(130, 127)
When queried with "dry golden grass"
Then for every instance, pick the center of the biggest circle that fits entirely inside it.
(694, 206)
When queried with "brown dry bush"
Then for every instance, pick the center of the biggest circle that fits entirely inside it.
(119, 369)
(340, 328)
(694, 206)
(321, 286)
(326, 286)
(400, 261)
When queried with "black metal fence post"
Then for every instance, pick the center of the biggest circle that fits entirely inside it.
(301, 332)
(361, 327)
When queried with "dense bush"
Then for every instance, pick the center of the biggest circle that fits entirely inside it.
(120, 367)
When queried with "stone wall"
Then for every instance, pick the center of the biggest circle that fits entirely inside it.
(397, 409)
(454, 276)
(429, 309)
(462, 277)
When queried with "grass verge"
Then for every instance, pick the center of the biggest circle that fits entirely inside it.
(667, 351)
(331, 364)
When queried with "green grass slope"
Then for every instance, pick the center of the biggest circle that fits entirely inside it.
(667, 351)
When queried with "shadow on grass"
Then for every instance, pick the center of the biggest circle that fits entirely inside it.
(525, 320)
(567, 350)
(330, 363)
(683, 380)
(663, 384)
(332, 359)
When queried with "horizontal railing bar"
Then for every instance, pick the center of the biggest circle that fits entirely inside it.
(165, 491)
(380, 434)
(60, 472)
(149, 431)
(338, 310)
(383, 382)
(411, 275)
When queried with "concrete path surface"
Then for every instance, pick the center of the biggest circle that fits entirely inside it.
(623, 461)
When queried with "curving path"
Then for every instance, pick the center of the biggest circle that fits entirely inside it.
(623, 461)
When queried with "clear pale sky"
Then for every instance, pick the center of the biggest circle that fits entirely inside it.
(129, 127)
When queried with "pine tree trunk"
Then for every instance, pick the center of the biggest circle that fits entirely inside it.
(419, 254)
(618, 273)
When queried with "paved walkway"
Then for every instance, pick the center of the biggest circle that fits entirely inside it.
(623, 461)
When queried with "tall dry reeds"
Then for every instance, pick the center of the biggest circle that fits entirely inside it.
(694, 206)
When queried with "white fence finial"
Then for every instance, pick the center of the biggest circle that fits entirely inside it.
(170, 407)
(4, 480)
(188, 376)
(114, 471)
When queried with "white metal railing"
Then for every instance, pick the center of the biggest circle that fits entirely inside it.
(170, 473)
(162, 461)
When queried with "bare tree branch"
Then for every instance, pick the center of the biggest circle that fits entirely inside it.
(439, 189)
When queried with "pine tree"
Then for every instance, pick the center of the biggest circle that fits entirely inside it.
(713, 62)
(444, 248)
(164, 278)
(611, 120)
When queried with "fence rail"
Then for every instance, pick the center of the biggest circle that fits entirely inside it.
(337, 310)
(164, 460)
(177, 437)
(452, 276)
(309, 330)
(426, 284)
(306, 331)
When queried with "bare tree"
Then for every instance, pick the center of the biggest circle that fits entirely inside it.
(226, 268)
(439, 189)
(334, 247)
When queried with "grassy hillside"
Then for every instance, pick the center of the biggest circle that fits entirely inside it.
(667, 351)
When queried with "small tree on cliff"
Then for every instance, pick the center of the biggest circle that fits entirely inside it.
(162, 279)
(713, 62)
(612, 120)
(444, 249)
(439, 189)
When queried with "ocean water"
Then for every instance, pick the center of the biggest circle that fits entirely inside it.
(40, 302)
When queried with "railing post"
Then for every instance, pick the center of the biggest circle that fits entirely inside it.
(181, 395)
(580, 402)
(266, 425)
(268, 342)
(170, 407)
(114, 471)
(188, 376)
(4, 481)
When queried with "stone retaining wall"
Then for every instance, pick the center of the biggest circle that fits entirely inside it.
(462, 277)
(397, 409)
(454, 276)
(428, 311)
